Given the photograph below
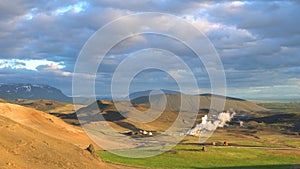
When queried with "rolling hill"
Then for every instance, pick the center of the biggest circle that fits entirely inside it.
(41, 104)
(136, 108)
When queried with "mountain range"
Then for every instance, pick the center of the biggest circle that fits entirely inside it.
(32, 92)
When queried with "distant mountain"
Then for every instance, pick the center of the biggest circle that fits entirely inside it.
(174, 102)
(32, 92)
(147, 93)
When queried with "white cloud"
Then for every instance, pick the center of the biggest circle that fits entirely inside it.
(56, 69)
(237, 3)
(29, 64)
(74, 8)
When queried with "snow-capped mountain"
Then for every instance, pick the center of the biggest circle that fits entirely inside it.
(32, 92)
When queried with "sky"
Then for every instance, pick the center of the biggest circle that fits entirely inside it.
(258, 43)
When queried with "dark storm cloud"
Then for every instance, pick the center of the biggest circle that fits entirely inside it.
(270, 54)
(258, 41)
(43, 32)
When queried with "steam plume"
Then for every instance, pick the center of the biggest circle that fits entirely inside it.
(212, 125)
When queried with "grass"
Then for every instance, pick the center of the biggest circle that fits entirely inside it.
(190, 156)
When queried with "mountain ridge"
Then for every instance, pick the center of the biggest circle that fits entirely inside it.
(135, 95)
(13, 91)
(174, 102)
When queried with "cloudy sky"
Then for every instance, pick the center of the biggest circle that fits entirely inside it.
(258, 43)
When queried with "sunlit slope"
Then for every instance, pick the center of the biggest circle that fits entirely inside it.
(45, 123)
(22, 147)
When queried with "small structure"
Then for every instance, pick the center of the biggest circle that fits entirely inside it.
(225, 143)
(20, 100)
(213, 143)
(241, 123)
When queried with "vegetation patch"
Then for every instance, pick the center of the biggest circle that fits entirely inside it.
(189, 156)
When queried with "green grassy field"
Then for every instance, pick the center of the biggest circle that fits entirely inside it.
(191, 156)
(278, 128)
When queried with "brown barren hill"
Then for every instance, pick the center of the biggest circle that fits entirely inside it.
(22, 147)
(45, 123)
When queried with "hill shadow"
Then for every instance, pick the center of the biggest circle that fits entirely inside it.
(110, 116)
(275, 118)
(282, 118)
(127, 125)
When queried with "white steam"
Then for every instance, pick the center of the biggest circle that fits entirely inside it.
(212, 125)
